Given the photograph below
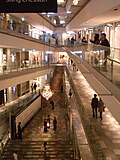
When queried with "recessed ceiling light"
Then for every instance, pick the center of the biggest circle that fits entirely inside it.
(62, 22)
(23, 49)
(23, 19)
(54, 21)
(68, 12)
(50, 13)
(75, 2)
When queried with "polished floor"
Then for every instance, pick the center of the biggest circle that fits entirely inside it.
(106, 133)
(59, 145)
(99, 139)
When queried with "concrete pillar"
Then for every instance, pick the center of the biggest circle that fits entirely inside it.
(9, 94)
(18, 58)
(41, 58)
(113, 38)
(8, 61)
(1, 60)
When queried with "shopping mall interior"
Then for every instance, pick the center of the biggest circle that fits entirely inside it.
(51, 66)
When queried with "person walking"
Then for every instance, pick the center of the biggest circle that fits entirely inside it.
(61, 88)
(45, 150)
(70, 93)
(94, 105)
(48, 121)
(35, 86)
(45, 125)
(54, 124)
(84, 40)
(15, 156)
(101, 107)
(19, 131)
(52, 104)
(32, 87)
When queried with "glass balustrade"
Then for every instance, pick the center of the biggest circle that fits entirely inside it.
(9, 67)
(104, 59)
(23, 29)
(14, 108)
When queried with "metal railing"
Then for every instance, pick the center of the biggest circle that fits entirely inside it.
(14, 108)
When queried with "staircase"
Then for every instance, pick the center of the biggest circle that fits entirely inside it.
(59, 145)
(32, 150)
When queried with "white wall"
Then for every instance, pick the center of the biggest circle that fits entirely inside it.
(28, 113)
(93, 9)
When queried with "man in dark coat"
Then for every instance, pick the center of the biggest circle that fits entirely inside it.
(52, 104)
(54, 124)
(94, 104)
(19, 131)
(105, 42)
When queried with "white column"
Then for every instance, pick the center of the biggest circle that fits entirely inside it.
(1, 60)
(9, 94)
(8, 59)
(113, 36)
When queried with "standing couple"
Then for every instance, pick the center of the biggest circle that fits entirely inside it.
(95, 104)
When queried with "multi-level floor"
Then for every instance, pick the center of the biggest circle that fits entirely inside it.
(28, 55)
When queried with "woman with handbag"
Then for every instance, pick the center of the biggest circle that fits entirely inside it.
(101, 107)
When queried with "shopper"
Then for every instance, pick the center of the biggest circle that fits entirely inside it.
(105, 42)
(70, 93)
(84, 40)
(94, 105)
(45, 149)
(45, 125)
(15, 156)
(96, 39)
(61, 88)
(101, 107)
(54, 124)
(19, 131)
(48, 121)
(35, 86)
(72, 40)
(32, 87)
(52, 104)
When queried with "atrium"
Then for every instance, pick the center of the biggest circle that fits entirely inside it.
(51, 66)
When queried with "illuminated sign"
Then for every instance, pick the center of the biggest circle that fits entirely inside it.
(28, 6)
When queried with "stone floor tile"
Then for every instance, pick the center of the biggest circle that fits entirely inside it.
(102, 144)
(109, 158)
(117, 151)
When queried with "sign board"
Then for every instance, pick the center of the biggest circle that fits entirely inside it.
(28, 6)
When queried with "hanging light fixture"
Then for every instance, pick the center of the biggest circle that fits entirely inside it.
(47, 93)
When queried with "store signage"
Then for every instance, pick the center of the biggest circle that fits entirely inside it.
(28, 6)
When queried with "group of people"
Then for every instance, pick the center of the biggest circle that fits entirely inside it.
(71, 41)
(47, 124)
(97, 105)
(33, 87)
(104, 42)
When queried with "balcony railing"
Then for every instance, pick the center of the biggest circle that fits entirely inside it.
(23, 29)
(104, 59)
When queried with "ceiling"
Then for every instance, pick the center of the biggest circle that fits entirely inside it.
(110, 16)
(76, 19)
(67, 10)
